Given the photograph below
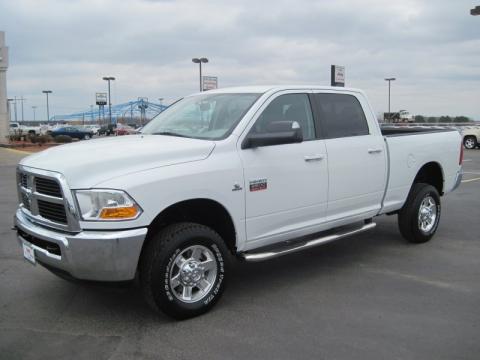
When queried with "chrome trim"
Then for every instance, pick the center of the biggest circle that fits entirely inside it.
(73, 220)
(89, 255)
(261, 256)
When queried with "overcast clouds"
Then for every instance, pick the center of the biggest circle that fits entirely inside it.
(431, 47)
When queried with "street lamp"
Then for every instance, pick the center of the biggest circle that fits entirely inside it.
(9, 108)
(34, 108)
(199, 61)
(109, 78)
(46, 92)
(475, 11)
(389, 81)
(160, 100)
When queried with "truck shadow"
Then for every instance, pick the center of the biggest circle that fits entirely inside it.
(255, 280)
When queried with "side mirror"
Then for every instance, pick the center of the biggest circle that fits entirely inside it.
(278, 133)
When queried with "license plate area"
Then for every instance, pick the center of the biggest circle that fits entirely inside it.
(28, 252)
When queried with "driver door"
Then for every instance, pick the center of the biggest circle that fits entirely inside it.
(286, 186)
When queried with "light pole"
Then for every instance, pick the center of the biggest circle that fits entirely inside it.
(109, 78)
(34, 108)
(475, 11)
(9, 109)
(160, 100)
(46, 92)
(389, 82)
(199, 61)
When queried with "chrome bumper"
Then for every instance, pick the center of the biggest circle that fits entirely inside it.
(87, 255)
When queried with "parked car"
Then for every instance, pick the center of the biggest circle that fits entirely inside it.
(253, 173)
(107, 130)
(73, 132)
(16, 128)
(93, 128)
(125, 130)
(471, 137)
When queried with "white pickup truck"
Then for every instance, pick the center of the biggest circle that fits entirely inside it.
(253, 172)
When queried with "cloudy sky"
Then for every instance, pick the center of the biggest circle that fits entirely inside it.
(432, 47)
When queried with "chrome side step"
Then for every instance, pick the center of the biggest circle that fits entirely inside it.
(261, 256)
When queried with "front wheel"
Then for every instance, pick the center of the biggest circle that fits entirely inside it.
(183, 270)
(418, 219)
(470, 142)
(86, 137)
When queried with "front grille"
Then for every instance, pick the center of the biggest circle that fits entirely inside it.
(24, 180)
(48, 187)
(26, 201)
(43, 197)
(52, 211)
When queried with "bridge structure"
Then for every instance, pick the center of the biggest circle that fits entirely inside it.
(139, 111)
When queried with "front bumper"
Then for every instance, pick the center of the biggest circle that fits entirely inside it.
(87, 255)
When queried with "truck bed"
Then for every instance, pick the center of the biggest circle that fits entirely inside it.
(395, 131)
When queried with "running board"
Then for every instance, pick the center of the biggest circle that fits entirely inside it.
(261, 256)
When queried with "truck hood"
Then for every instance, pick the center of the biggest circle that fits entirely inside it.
(87, 163)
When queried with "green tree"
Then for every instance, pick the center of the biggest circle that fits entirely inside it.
(445, 119)
(461, 119)
(419, 118)
(432, 119)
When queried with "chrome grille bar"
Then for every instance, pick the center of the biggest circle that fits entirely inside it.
(46, 199)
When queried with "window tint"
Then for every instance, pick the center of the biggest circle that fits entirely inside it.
(289, 107)
(341, 115)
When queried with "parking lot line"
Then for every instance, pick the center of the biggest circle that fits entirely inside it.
(18, 151)
(470, 180)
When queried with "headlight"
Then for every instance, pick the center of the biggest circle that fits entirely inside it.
(101, 205)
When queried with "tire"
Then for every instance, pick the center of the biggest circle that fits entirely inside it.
(409, 221)
(163, 281)
(470, 142)
(86, 137)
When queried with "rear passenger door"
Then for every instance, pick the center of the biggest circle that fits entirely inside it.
(356, 155)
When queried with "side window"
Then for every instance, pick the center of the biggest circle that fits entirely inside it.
(341, 115)
(289, 107)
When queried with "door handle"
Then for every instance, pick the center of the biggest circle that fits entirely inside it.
(316, 157)
(374, 151)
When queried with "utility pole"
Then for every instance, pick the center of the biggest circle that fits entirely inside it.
(34, 108)
(199, 61)
(389, 81)
(22, 99)
(15, 107)
(4, 123)
(91, 112)
(46, 92)
(109, 78)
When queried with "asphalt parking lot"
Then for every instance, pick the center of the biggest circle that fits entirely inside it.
(371, 296)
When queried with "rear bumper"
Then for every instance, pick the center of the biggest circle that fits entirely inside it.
(458, 180)
(87, 255)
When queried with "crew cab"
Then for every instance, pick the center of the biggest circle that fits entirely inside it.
(250, 173)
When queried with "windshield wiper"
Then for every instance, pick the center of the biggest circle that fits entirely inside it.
(168, 133)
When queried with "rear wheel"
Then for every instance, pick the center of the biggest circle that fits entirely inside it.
(418, 219)
(183, 270)
(470, 142)
(86, 137)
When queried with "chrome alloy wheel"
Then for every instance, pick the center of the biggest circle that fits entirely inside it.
(193, 273)
(427, 214)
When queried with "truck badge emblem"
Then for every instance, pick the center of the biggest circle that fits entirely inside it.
(258, 185)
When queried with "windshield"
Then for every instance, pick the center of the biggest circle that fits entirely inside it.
(206, 116)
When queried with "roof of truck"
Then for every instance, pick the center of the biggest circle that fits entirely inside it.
(266, 88)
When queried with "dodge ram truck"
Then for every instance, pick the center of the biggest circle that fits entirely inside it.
(250, 173)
